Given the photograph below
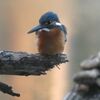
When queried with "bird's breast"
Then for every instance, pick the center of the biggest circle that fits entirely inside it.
(51, 42)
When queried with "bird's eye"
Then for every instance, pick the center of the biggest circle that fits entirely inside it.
(48, 23)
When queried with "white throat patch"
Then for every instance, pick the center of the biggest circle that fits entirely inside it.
(44, 29)
(58, 24)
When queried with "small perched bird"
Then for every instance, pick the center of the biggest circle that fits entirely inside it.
(51, 34)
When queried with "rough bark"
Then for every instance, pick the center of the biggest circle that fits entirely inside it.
(22, 63)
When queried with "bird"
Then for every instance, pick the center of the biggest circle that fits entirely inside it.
(51, 34)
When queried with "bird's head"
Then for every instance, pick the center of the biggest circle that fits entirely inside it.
(47, 22)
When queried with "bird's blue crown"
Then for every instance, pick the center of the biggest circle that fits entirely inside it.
(49, 16)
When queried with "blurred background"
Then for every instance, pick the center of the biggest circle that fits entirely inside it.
(82, 19)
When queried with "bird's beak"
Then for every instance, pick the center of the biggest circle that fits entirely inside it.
(36, 28)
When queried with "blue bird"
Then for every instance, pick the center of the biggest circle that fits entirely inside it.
(51, 34)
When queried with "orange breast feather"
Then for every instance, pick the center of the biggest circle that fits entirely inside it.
(51, 42)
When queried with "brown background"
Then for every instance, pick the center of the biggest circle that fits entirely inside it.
(82, 19)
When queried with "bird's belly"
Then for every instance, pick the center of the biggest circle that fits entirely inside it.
(51, 43)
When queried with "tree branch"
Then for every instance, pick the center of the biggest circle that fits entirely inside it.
(7, 89)
(22, 63)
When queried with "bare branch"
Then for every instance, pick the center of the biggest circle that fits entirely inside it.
(7, 89)
(22, 63)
